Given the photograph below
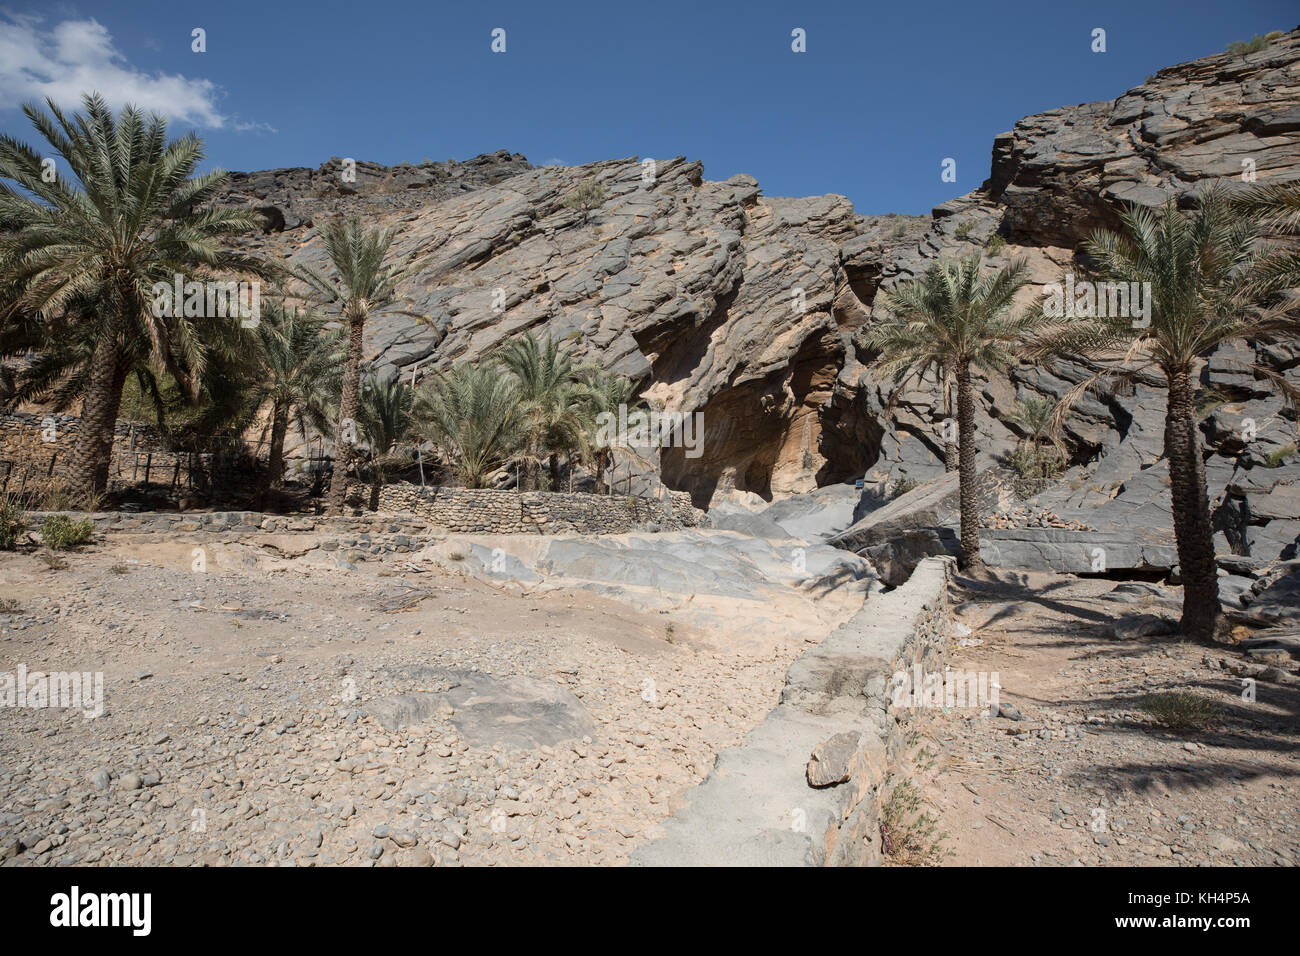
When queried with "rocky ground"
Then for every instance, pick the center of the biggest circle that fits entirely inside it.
(1084, 775)
(242, 721)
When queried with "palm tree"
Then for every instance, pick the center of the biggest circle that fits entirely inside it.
(1202, 293)
(365, 285)
(944, 322)
(605, 393)
(384, 415)
(1276, 208)
(551, 401)
(474, 411)
(1035, 416)
(84, 253)
(298, 376)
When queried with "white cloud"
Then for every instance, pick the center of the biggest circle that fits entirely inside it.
(78, 56)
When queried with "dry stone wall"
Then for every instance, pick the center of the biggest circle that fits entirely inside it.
(492, 511)
(807, 785)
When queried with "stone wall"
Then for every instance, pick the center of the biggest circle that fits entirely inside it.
(806, 786)
(491, 511)
(41, 445)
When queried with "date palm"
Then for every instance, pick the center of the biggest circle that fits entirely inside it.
(365, 282)
(1275, 207)
(947, 321)
(1203, 292)
(1036, 417)
(384, 415)
(83, 244)
(297, 378)
(605, 392)
(550, 401)
(473, 411)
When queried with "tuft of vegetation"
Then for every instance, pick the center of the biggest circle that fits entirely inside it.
(909, 835)
(119, 569)
(10, 605)
(963, 230)
(586, 198)
(59, 532)
(1253, 45)
(52, 560)
(1039, 458)
(456, 556)
(12, 524)
(902, 487)
(995, 244)
(1181, 710)
(1278, 456)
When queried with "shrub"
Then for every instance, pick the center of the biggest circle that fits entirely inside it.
(60, 532)
(1253, 45)
(11, 523)
(1183, 711)
(995, 244)
(910, 836)
(587, 197)
(963, 230)
(1279, 455)
(902, 487)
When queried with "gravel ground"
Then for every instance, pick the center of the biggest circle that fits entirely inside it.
(236, 728)
(1087, 776)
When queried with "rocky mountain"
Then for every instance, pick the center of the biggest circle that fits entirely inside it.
(744, 307)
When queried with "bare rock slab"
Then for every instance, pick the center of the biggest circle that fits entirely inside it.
(522, 713)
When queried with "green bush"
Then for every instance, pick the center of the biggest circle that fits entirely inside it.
(1253, 45)
(1278, 456)
(995, 244)
(11, 523)
(587, 197)
(963, 230)
(1183, 711)
(902, 487)
(60, 532)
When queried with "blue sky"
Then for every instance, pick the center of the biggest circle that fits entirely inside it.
(884, 92)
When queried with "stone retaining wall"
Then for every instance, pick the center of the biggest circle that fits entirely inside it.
(491, 511)
(408, 510)
(806, 786)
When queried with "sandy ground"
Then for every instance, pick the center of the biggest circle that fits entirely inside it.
(236, 729)
(1088, 777)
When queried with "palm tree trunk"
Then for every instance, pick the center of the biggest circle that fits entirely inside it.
(275, 463)
(554, 464)
(950, 459)
(967, 483)
(376, 484)
(344, 442)
(93, 452)
(1193, 529)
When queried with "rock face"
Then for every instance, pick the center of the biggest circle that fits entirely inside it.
(1059, 174)
(720, 300)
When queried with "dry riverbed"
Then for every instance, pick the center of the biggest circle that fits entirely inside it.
(236, 726)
